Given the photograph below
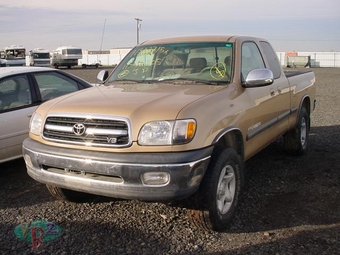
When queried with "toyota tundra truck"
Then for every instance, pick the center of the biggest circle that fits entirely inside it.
(175, 120)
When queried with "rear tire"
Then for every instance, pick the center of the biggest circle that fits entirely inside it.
(218, 197)
(297, 140)
(67, 195)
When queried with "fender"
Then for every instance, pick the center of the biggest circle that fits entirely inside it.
(234, 140)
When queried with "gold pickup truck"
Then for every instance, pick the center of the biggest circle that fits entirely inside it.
(176, 119)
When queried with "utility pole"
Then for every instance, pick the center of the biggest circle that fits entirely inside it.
(138, 28)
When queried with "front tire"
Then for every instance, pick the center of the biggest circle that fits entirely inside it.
(67, 195)
(297, 140)
(220, 191)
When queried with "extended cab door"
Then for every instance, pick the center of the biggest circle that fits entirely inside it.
(281, 88)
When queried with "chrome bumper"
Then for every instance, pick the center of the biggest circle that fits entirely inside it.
(116, 174)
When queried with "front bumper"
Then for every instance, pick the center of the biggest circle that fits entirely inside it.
(116, 174)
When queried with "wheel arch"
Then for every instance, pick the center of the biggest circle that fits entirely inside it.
(305, 103)
(232, 138)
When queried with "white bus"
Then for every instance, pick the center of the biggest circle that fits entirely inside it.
(39, 57)
(13, 56)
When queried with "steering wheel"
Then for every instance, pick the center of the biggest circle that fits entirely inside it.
(217, 71)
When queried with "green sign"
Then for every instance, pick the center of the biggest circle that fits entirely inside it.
(37, 232)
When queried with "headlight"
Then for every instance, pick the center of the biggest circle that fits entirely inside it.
(35, 124)
(167, 132)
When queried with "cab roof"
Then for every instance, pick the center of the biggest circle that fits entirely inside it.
(197, 38)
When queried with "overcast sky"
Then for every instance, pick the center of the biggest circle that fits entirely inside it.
(290, 25)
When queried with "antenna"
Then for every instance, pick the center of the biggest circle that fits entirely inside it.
(101, 43)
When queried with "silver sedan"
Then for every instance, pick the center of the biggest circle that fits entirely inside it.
(22, 89)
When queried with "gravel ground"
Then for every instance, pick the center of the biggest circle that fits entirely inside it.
(291, 204)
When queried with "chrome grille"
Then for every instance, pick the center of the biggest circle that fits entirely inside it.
(94, 131)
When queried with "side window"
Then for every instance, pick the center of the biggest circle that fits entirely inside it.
(53, 84)
(251, 58)
(272, 59)
(14, 92)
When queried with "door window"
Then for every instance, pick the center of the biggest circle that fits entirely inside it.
(53, 84)
(15, 92)
(251, 58)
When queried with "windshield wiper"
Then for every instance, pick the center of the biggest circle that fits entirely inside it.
(195, 81)
(129, 80)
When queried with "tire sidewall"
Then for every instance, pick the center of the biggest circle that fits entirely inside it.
(292, 138)
(67, 195)
(220, 159)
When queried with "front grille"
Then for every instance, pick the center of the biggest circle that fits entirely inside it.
(94, 131)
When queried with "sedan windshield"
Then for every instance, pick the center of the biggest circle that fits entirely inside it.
(210, 63)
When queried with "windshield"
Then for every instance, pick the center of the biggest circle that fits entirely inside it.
(15, 53)
(40, 55)
(199, 62)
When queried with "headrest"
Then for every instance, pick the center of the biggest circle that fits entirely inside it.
(227, 60)
(198, 62)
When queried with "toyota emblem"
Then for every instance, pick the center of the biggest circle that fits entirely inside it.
(79, 129)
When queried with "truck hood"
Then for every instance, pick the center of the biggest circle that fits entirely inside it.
(132, 100)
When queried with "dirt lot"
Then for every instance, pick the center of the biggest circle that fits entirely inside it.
(291, 204)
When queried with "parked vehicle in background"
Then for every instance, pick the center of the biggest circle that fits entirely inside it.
(21, 91)
(13, 56)
(3, 60)
(39, 57)
(177, 119)
(92, 65)
(66, 56)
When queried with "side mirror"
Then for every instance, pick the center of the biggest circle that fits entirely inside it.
(102, 76)
(259, 78)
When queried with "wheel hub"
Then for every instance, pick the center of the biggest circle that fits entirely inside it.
(226, 189)
(303, 134)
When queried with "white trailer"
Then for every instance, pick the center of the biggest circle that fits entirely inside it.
(66, 56)
(14, 55)
(39, 57)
